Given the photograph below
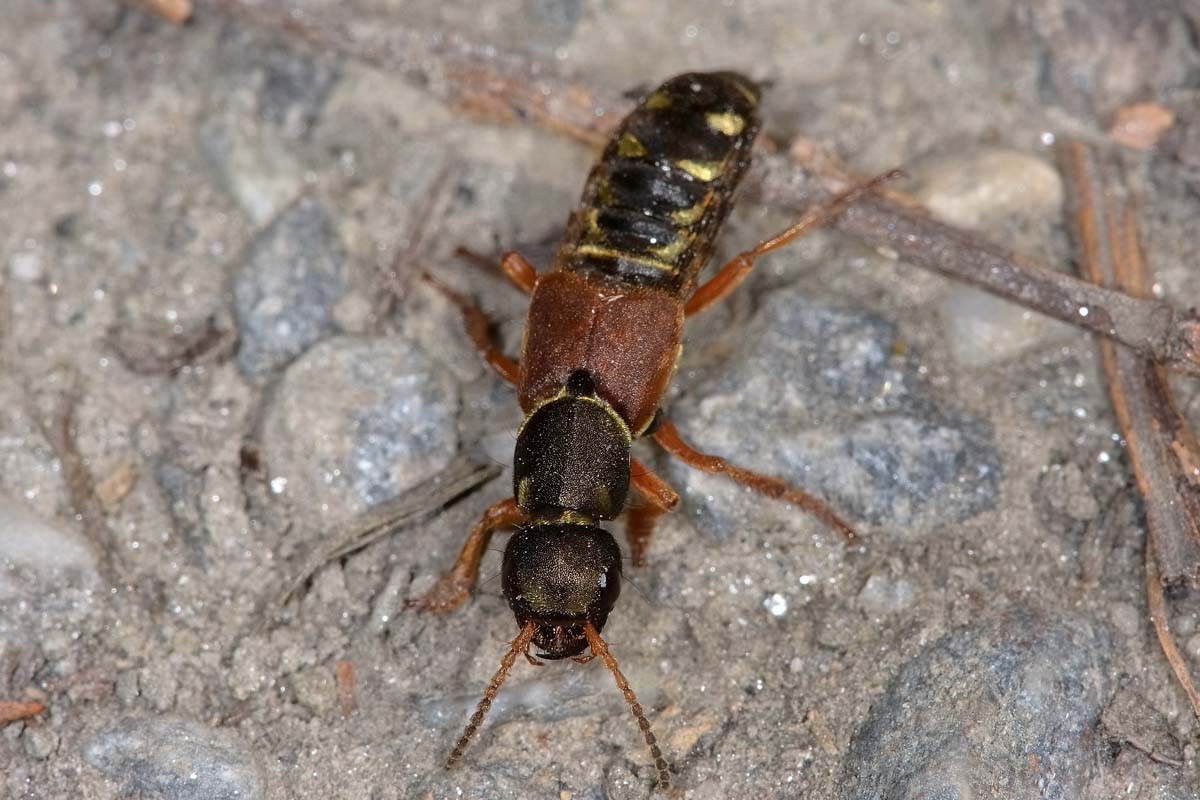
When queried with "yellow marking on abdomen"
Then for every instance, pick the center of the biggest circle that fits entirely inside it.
(608, 252)
(726, 122)
(689, 216)
(591, 218)
(672, 250)
(707, 171)
(628, 146)
(659, 99)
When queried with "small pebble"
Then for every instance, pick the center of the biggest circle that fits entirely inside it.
(170, 758)
(971, 712)
(287, 289)
(1125, 618)
(882, 595)
(357, 421)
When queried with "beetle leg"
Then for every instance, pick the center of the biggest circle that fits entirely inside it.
(453, 588)
(519, 271)
(514, 266)
(668, 436)
(639, 520)
(477, 328)
(732, 274)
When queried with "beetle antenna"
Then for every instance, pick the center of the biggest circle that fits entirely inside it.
(519, 645)
(600, 648)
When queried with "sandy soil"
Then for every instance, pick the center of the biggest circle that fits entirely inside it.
(208, 372)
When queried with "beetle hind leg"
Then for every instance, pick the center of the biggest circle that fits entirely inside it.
(668, 436)
(730, 276)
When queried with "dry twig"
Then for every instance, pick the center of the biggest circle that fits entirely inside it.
(460, 477)
(177, 11)
(13, 710)
(119, 483)
(344, 678)
(59, 431)
(1157, 602)
(423, 231)
(1161, 445)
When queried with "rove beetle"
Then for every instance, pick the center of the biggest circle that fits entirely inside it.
(601, 342)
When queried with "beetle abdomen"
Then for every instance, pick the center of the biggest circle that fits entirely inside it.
(655, 200)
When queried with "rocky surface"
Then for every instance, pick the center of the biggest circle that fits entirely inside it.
(209, 255)
(1004, 705)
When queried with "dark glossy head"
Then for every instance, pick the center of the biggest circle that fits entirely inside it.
(560, 576)
(573, 454)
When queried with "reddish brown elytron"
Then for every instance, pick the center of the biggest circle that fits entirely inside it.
(602, 338)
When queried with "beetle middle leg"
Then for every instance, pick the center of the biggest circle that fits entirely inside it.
(730, 276)
(639, 520)
(453, 588)
(668, 436)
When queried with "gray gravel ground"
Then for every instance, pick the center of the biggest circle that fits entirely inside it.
(226, 194)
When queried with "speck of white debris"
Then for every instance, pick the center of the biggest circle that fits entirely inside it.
(95, 188)
(776, 605)
(805, 580)
(279, 485)
(26, 266)
(1083, 311)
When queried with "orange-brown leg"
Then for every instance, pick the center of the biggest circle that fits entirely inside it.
(732, 274)
(519, 271)
(453, 588)
(668, 436)
(477, 329)
(512, 264)
(639, 520)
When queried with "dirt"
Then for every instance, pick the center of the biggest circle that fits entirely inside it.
(210, 245)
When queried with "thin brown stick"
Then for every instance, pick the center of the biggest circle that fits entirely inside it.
(519, 645)
(60, 432)
(1161, 445)
(343, 675)
(476, 79)
(119, 483)
(177, 11)
(13, 710)
(893, 224)
(423, 227)
(1157, 602)
(600, 648)
(459, 477)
